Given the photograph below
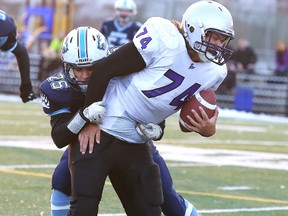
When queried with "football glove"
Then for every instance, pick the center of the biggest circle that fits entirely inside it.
(91, 114)
(26, 93)
(149, 131)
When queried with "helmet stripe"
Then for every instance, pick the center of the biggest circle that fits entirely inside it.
(125, 4)
(82, 37)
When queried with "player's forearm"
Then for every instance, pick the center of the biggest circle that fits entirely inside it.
(60, 134)
(23, 61)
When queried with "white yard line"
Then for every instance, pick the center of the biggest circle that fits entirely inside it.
(204, 140)
(197, 156)
(219, 211)
(44, 143)
(112, 214)
(26, 166)
(215, 211)
(224, 157)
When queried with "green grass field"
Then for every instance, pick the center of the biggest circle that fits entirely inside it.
(241, 170)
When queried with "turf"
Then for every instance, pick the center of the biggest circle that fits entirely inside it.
(26, 191)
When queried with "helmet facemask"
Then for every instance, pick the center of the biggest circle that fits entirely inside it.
(209, 51)
(208, 28)
(69, 71)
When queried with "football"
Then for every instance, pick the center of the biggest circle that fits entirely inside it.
(206, 99)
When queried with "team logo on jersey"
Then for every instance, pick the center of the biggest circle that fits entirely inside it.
(44, 101)
(192, 66)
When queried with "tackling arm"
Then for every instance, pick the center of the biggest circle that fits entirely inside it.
(123, 61)
(21, 54)
(60, 134)
(65, 127)
(23, 61)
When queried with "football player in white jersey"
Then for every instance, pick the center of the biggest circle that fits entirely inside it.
(153, 76)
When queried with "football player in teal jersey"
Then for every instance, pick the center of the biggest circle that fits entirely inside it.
(122, 28)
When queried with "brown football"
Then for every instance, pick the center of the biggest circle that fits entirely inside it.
(206, 99)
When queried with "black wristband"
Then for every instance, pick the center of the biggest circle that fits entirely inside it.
(81, 112)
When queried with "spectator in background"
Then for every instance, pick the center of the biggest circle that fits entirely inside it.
(50, 56)
(281, 58)
(30, 32)
(122, 28)
(9, 43)
(229, 83)
(244, 57)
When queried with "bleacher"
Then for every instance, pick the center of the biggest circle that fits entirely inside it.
(10, 76)
(259, 93)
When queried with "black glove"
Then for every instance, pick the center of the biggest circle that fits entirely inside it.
(26, 93)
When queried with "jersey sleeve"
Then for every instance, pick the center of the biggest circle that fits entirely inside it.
(50, 103)
(57, 96)
(155, 39)
(8, 33)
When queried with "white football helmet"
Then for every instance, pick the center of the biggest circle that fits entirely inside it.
(125, 5)
(208, 16)
(82, 47)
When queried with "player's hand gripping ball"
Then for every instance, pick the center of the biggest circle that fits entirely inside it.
(206, 99)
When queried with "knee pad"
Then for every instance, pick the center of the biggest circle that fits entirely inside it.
(60, 203)
(151, 181)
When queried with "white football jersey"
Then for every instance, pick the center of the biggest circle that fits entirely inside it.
(169, 79)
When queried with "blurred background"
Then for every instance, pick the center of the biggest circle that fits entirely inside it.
(262, 23)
